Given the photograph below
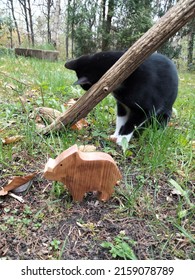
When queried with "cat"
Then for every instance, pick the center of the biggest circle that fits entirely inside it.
(150, 90)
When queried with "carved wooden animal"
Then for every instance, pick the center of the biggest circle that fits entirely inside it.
(83, 172)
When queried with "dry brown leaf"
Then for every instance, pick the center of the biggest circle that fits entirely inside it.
(80, 124)
(3, 192)
(193, 144)
(10, 86)
(40, 126)
(112, 139)
(70, 102)
(87, 148)
(12, 139)
(42, 114)
(17, 181)
(181, 173)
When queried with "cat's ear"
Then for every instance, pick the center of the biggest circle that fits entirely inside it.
(72, 64)
(82, 81)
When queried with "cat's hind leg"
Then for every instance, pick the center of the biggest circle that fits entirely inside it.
(164, 117)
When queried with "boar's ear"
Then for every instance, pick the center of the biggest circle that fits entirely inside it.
(71, 64)
(82, 81)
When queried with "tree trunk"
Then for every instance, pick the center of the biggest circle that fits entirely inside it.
(15, 22)
(107, 24)
(191, 36)
(31, 23)
(11, 37)
(56, 23)
(167, 26)
(48, 17)
(24, 10)
(67, 28)
(73, 26)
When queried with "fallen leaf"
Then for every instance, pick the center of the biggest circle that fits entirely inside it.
(177, 188)
(181, 173)
(10, 86)
(193, 144)
(80, 124)
(18, 181)
(87, 148)
(169, 199)
(12, 139)
(45, 114)
(3, 192)
(177, 192)
(112, 139)
(70, 102)
(23, 187)
(40, 126)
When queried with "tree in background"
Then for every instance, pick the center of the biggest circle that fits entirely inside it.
(191, 39)
(6, 30)
(77, 27)
(10, 2)
(56, 23)
(82, 18)
(133, 18)
(172, 48)
(46, 7)
(107, 23)
(23, 5)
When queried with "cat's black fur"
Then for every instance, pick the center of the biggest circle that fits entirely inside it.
(150, 90)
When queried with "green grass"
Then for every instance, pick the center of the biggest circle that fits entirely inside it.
(153, 165)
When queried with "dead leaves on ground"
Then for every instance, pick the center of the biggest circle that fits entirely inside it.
(3, 192)
(11, 139)
(17, 182)
(45, 115)
(87, 148)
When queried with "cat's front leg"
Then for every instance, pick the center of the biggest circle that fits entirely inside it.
(119, 139)
(121, 119)
(135, 119)
(120, 122)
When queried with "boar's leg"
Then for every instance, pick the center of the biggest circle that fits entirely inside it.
(105, 195)
(77, 194)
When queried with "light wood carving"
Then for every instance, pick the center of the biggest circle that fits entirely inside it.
(83, 172)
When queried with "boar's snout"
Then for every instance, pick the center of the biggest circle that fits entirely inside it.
(48, 170)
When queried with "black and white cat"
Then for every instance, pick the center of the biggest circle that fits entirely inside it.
(149, 91)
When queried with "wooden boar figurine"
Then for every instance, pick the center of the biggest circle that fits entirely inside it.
(83, 172)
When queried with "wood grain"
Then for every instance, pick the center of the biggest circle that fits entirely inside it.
(83, 172)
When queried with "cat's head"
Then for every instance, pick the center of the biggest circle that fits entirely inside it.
(85, 70)
(90, 68)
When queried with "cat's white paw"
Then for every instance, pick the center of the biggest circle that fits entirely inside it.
(113, 137)
(121, 137)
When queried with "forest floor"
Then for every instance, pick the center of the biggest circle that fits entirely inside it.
(151, 214)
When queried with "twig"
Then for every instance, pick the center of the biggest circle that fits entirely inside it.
(19, 198)
(28, 85)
